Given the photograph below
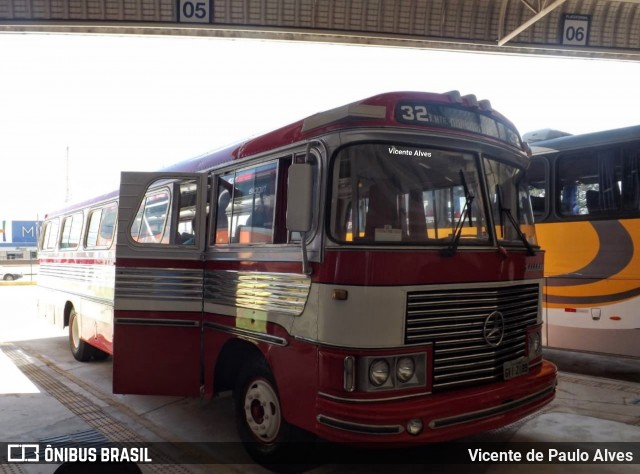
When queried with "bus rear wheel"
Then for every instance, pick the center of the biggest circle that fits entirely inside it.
(80, 349)
(264, 432)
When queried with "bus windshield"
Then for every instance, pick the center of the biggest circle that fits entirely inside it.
(510, 203)
(388, 193)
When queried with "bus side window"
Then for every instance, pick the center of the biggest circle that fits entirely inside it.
(246, 205)
(71, 231)
(50, 234)
(186, 213)
(590, 183)
(536, 179)
(631, 179)
(108, 226)
(93, 227)
(150, 224)
(101, 227)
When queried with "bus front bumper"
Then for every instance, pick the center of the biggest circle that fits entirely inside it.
(436, 417)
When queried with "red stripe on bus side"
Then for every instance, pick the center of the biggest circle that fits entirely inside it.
(76, 261)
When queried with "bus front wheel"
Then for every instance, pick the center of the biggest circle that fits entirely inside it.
(263, 430)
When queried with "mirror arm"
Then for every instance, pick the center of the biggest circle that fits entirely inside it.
(306, 268)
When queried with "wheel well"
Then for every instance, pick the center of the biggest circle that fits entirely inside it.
(233, 356)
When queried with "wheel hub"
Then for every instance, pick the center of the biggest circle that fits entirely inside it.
(262, 411)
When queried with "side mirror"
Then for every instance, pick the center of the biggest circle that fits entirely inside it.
(299, 197)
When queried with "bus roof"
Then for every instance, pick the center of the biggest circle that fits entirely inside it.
(586, 140)
(379, 110)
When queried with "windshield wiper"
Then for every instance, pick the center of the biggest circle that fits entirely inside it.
(505, 211)
(466, 211)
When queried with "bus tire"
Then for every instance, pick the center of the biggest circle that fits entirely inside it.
(81, 350)
(99, 354)
(8, 277)
(263, 430)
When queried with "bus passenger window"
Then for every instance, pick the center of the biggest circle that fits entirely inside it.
(631, 180)
(536, 179)
(71, 231)
(93, 228)
(186, 228)
(101, 227)
(246, 206)
(108, 226)
(590, 183)
(150, 223)
(50, 234)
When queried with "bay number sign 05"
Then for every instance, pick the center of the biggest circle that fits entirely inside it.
(194, 11)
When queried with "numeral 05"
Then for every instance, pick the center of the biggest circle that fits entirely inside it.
(194, 10)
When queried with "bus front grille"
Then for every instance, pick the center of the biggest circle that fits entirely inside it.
(453, 320)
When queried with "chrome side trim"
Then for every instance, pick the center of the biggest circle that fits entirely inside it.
(86, 273)
(372, 400)
(277, 292)
(157, 322)
(359, 427)
(159, 284)
(488, 412)
(268, 338)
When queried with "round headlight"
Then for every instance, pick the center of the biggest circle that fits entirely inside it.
(379, 372)
(405, 369)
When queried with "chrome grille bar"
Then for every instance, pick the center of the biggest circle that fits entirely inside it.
(453, 320)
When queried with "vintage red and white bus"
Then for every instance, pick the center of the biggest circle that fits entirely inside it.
(585, 191)
(367, 274)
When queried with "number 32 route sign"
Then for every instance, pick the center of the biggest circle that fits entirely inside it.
(575, 31)
(194, 11)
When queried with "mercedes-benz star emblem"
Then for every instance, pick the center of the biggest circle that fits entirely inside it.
(493, 331)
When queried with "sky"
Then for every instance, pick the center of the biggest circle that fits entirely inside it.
(105, 104)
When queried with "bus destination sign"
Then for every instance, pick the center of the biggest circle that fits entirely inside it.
(438, 115)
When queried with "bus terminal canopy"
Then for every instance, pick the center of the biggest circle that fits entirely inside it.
(571, 28)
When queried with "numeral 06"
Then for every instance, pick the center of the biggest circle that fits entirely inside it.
(576, 34)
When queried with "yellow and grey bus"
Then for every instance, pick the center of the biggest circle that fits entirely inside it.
(585, 194)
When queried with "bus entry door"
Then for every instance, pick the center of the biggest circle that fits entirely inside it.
(159, 283)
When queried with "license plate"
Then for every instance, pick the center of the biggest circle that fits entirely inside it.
(515, 368)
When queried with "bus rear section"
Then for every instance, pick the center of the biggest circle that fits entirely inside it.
(368, 275)
(76, 276)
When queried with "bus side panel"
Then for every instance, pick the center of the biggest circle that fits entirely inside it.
(607, 341)
(592, 285)
(50, 305)
(296, 372)
(144, 347)
(97, 324)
